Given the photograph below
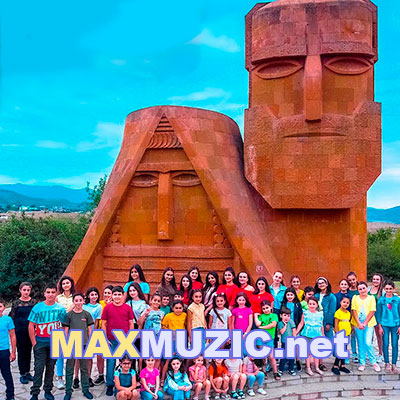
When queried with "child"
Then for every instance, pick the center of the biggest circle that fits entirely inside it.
(261, 293)
(186, 287)
(342, 322)
(219, 378)
(7, 335)
(198, 377)
(295, 283)
(152, 317)
(195, 313)
(165, 308)
(236, 376)
(78, 318)
(177, 382)
(242, 314)
(220, 316)
(353, 290)
(229, 287)
(286, 328)
(291, 301)
(313, 323)
(308, 292)
(343, 292)
(388, 318)
(150, 382)
(253, 374)
(125, 380)
(268, 321)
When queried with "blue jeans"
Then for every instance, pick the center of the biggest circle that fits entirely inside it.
(60, 367)
(260, 377)
(147, 396)
(5, 369)
(353, 342)
(283, 361)
(111, 365)
(178, 394)
(390, 331)
(365, 347)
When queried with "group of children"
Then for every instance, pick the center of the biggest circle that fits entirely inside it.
(359, 310)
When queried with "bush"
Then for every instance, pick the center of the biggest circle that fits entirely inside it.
(36, 250)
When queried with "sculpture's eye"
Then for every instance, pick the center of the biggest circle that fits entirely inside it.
(185, 179)
(278, 69)
(348, 65)
(145, 180)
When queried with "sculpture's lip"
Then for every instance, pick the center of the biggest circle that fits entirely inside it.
(313, 134)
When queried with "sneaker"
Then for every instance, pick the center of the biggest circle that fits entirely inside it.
(224, 396)
(268, 368)
(361, 368)
(347, 361)
(29, 376)
(75, 385)
(110, 390)
(241, 394)
(216, 397)
(335, 370)
(280, 372)
(87, 394)
(261, 391)
(355, 358)
(24, 379)
(91, 384)
(377, 368)
(379, 358)
(251, 393)
(34, 397)
(48, 396)
(298, 365)
(345, 370)
(99, 381)
(60, 384)
(67, 396)
(323, 367)
(292, 372)
(234, 395)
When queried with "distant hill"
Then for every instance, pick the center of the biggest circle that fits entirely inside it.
(391, 215)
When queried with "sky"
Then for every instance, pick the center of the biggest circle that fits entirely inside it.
(71, 72)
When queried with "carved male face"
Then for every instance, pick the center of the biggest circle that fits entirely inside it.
(312, 132)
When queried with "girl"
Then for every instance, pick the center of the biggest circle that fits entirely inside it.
(167, 286)
(194, 274)
(165, 308)
(66, 288)
(95, 309)
(295, 282)
(343, 292)
(308, 292)
(198, 377)
(186, 287)
(244, 282)
(253, 374)
(210, 290)
(125, 380)
(268, 321)
(277, 290)
(260, 294)
(376, 290)
(150, 382)
(363, 309)
(291, 301)
(236, 376)
(242, 314)
(342, 322)
(219, 378)
(177, 382)
(229, 286)
(135, 299)
(220, 316)
(136, 274)
(195, 312)
(313, 323)
(152, 316)
(388, 318)
(20, 310)
(353, 282)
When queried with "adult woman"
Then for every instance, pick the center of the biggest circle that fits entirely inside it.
(186, 286)
(261, 293)
(363, 307)
(136, 274)
(167, 286)
(194, 274)
(229, 287)
(20, 310)
(278, 290)
(244, 282)
(210, 290)
(377, 290)
(295, 282)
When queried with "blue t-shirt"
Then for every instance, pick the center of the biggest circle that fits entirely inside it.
(95, 310)
(46, 319)
(143, 285)
(6, 324)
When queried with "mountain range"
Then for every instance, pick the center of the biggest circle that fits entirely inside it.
(74, 199)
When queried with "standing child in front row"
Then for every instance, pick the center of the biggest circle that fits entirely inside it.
(253, 374)
(177, 382)
(286, 328)
(219, 379)
(342, 322)
(220, 315)
(196, 312)
(198, 377)
(308, 292)
(125, 380)
(150, 382)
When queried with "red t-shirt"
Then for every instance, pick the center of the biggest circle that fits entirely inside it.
(230, 291)
(257, 299)
(117, 317)
(197, 285)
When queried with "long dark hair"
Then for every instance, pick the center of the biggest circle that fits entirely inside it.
(207, 285)
(170, 372)
(264, 279)
(193, 292)
(172, 283)
(90, 290)
(138, 289)
(249, 281)
(232, 271)
(328, 286)
(140, 272)
(290, 289)
(64, 278)
(242, 294)
(189, 289)
(194, 267)
(381, 285)
(214, 366)
(214, 307)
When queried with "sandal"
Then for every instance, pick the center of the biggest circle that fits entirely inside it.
(395, 370)
(322, 367)
(309, 372)
(388, 368)
(234, 394)
(277, 377)
(319, 371)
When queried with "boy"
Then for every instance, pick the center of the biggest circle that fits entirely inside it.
(116, 315)
(78, 318)
(7, 335)
(44, 317)
(286, 328)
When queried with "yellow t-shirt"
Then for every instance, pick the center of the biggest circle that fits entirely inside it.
(198, 318)
(367, 305)
(300, 295)
(344, 321)
(174, 322)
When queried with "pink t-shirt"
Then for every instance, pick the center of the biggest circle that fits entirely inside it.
(241, 318)
(200, 375)
(117, 317)
(149, 376)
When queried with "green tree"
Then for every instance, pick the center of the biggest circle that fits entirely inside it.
(95, 193)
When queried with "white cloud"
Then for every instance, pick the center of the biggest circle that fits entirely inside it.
(106, 135)
(5, 180)
(224, 43)
(207, 93)
(79, 181)
(50, 144)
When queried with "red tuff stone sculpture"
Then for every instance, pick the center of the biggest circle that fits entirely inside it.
(182, 192)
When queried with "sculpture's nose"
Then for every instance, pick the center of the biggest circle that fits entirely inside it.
(313, 88)
(165, 224)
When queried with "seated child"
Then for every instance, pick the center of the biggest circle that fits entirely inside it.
(198, 377)
(219, 378)
(177, 382)
(236, 376)
(150, 382)
(253, 374)
(125, 380)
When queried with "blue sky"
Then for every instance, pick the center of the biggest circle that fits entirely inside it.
(71, 72)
